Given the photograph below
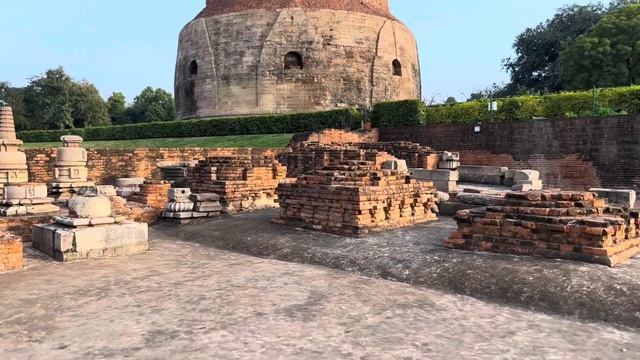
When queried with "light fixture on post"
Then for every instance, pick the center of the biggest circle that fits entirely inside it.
(477, 128)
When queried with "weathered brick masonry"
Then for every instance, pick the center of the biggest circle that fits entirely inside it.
(105, 165)
(10, 252)
(571, 154)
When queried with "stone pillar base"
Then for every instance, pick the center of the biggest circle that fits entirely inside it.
(64, 191)
(71, 244)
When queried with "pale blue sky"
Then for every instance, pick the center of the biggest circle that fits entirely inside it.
(125, 45)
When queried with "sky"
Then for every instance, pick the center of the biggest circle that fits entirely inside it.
(126, 45)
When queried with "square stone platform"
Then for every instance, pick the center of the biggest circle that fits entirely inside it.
(66, 244)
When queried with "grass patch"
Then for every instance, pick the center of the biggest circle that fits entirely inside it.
(239, 141)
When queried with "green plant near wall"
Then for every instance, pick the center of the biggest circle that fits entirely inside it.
(248, 125)
(609, 102)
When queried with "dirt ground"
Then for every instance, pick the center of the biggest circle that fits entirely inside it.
(188, 300)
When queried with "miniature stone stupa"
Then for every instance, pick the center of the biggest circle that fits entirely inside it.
(70, 170)
(19, 197)
(90, 231)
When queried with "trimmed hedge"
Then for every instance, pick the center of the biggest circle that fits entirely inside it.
(249, 125)
(612, 101)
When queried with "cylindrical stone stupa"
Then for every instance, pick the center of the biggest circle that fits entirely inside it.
(70, 170)
(240, 57)
(19, 197)
(13, 162)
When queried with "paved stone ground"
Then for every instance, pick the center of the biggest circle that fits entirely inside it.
(185, 300)
(416, 255)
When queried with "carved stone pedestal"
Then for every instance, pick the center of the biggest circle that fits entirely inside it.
(26, 199)
(90, 231)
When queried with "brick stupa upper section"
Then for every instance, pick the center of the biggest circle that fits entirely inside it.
(372, 7)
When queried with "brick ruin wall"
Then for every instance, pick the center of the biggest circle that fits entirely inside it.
(222, 69)
(336, 136)
(106, 165)
(574, 154)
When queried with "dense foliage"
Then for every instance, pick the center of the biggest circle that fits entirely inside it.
(612, 101)
(609, 55)
(270, 124)
(55, 101)
(549, 56)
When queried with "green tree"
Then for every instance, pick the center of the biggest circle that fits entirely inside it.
(451, 100)
(535, 67)
(55, 101)
(607, 56)
(47, 101)
(117, 107)
(87, 106)
(152, 105)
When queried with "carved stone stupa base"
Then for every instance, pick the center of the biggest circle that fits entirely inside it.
(26, 199)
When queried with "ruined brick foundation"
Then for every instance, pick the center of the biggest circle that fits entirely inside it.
(564, 225)
(354, 198)
(244, 183)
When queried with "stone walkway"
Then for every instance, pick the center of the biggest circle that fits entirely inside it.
(416, 255)
(185, 300)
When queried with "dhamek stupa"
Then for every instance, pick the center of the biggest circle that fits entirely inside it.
(240, 57)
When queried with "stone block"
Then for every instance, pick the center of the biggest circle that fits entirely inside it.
(435, 175)
(620, 197)
(445, 186)
(106, 190)
(491, 175)
(70, 244)
(25, 191)
(528, 185)
(179, 194)
(207, 207)
(399, 165)
(450, 156)
(129, 182)
(525, 175)
(205, 197)
(449, 165)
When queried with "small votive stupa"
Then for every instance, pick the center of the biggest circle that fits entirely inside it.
(90, 231)
(19, 197)
(70, 170)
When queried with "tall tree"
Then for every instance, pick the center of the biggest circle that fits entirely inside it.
(609, 55)
(87, 106)
(152, 105)
(56, 101)
(535, 67)
(47, 100)
(117, 107)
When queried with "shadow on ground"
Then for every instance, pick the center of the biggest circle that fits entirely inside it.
(417, 256)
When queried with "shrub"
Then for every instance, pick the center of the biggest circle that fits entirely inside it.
(610, 102)
(268, 124)
(398, 113)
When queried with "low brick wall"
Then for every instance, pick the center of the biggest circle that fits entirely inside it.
(11, 252)
(106, 165)
(571, 154)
